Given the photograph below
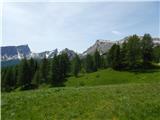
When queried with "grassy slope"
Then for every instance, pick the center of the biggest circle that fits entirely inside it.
(137, 100)
(112, 102)
(109, 76)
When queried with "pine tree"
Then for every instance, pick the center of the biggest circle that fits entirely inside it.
(8, 82)
(44, 69)
(24, 74)
(123, 55)
(114, 56)
(54, 75)
(156, 54)
(64, 65)
(147, 49)
(89, 64)
(76, 65)
(36, 79)
(133, 52)
(32, 64)
(97, 60)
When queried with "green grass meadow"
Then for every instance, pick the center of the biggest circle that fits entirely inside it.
(103, 95)
(109, 76)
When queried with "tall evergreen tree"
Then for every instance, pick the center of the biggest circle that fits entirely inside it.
(156, 54)
(24, 74)
(123, 55)
(44, 69)
(147, 49)
(32, 64)
(64, 65)
(56, 74)
(97, 59)
(89, 64)
(76, 65)
(8, 81)
(114, 56)
(133, 51)
(36, 79)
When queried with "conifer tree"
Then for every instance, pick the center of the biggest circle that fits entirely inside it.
(24, 74)
(54, 75)
(123, 55)
(8, 82)
(32, 64)
(64, 65)
(36, 79)
(114, 56)
(147, 49)
(156, 54)
(133, 52)
(97, 59)
(44, 69)
(89, 64)
(76, 65)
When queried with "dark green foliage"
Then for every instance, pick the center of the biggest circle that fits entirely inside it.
(89, 64)
(54, 72)
(32, 68)
(64, 64)
(76, 65)
(44, 69)
(156, 53)
(59, 68)
(147, 49)
(114, 56)
(9, 82)
(133, 54)
(97, 60)
(36, 79)
(133, 51)
(123, 55)
(24, 75)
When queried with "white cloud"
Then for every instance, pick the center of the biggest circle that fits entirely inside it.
(116, 32)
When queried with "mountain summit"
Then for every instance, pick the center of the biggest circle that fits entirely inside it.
(14, 52)
(19, 52)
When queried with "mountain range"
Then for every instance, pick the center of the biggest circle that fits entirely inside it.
(10, 53)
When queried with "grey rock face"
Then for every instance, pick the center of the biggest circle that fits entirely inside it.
(19, 52)
(15, 52)
(104, 45)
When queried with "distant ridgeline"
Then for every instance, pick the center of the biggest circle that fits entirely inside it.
(11, 55)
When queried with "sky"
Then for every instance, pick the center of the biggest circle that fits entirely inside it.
(75, 25)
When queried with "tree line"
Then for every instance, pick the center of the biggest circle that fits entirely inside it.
(134, 53)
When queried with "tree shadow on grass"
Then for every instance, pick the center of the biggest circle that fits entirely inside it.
(144, 70)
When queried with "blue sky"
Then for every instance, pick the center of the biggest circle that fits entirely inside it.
(50, 25)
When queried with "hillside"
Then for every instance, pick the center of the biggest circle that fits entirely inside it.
(109, 76)
(112, 102)
(106, 94)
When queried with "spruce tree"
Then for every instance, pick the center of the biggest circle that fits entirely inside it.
(156, 54)
(76, 65)
(123, 55)
(147, 49)
(114, 57)
(64, 65)
(54, 75)
(36, 79)
(24, 74)
(133, 52)
(8, 82)
(44, 69)
(32, 64)
(89, 64)
(97, 59)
